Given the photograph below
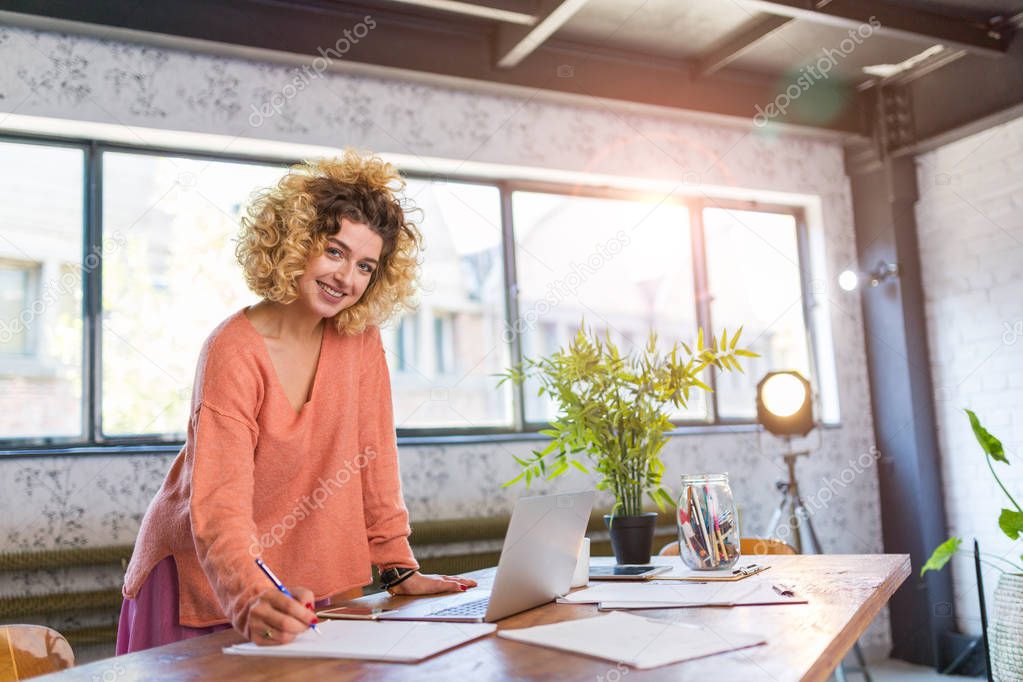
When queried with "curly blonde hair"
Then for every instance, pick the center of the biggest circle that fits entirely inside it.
(288, 223)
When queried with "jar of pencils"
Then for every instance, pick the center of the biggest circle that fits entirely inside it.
(708, 526)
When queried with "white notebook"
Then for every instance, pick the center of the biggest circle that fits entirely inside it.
(396, 641)
(633, 640)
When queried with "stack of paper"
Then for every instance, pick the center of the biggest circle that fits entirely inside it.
(635, 641)
(399, 641)
(680, 595)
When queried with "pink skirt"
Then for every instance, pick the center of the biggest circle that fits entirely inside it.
(151, 618)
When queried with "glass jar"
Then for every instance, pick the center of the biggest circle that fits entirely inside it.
(708, 525)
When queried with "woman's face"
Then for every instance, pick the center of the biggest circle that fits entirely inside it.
(337, 278)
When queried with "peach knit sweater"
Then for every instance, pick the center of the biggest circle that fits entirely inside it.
(315, 493)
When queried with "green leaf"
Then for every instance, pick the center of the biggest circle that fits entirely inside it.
(578, 465)
(1011, 523)
(992, 446)
(941, 555)
(514, 480)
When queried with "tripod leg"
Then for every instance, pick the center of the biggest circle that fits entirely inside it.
(805, 518)
(772, 526)
(862, 661)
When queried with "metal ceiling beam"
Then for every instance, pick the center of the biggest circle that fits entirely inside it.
(948, 103)
(738, 42)
(514, 43)
(904, 22)
(521, 13)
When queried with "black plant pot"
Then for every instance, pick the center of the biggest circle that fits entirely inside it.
(632, 537)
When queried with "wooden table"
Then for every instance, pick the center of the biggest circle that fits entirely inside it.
(805, 641)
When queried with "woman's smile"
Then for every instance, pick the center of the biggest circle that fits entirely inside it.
(331, 294)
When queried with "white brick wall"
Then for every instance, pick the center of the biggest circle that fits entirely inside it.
(970, 222)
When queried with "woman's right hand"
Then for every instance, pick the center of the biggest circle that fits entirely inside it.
(276, 618)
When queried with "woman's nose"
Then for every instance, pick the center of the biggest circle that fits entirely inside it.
(344, 273)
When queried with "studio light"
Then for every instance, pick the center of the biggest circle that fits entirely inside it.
(785, 404)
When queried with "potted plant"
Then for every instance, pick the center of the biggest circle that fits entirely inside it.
(613, 410)
(1006, 627)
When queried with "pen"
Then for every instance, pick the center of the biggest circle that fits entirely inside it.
(280, 586)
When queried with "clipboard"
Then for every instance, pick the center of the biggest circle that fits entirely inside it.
(727, 575)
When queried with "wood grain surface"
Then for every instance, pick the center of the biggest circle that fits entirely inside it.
(804, 641)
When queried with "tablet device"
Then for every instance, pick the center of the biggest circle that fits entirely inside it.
(626, 572)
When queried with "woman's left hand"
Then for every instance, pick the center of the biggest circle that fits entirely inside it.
(421, 583)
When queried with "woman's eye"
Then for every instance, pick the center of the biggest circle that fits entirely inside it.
(335, 252)
(367, 268)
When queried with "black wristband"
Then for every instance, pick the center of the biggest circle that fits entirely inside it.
(400, 575)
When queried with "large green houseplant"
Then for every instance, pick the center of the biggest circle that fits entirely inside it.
(1006, 628)
(613, 419)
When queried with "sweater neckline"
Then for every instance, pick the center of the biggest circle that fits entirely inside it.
(276, 380)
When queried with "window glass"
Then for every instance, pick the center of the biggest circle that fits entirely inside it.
(444, 356)
(625, 267)
(41, 273)
(171, 279)
(754, 281)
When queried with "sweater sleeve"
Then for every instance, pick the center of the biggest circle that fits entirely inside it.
(387, 523)
(220, 505)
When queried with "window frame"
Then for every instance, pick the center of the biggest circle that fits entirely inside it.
(94, 441)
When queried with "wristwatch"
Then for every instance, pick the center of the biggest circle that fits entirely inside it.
(392, 577)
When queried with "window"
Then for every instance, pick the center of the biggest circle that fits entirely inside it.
(447, 355)
(159, 273)
(444, 343)
(17, 292)
(625, 267)
(169, 278)
(405, 343)
(41, 275)
(753, 276)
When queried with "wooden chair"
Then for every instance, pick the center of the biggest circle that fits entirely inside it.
(747, 546)
(30, 650)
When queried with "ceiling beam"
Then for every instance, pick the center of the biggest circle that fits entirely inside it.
(904, 22)
(514, 43)
(737, 43)
(518, 13)
(961, 98)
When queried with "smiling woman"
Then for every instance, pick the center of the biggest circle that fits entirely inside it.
(289, 394)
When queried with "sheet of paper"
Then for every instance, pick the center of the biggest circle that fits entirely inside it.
(725, 594)
(404, 642)
(633, 640)
(680, 594)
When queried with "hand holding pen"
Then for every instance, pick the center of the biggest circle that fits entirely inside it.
(277, 615)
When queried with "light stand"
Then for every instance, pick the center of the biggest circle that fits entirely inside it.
(794, 419)
(792, 501)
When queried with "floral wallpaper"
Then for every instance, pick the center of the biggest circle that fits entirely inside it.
(77, 501)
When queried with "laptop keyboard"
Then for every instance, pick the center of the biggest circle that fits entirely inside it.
(472, 608)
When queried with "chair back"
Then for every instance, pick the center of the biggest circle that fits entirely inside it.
(30, 650)
(746, 546)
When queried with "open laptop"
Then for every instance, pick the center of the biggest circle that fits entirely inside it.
(537, 562)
